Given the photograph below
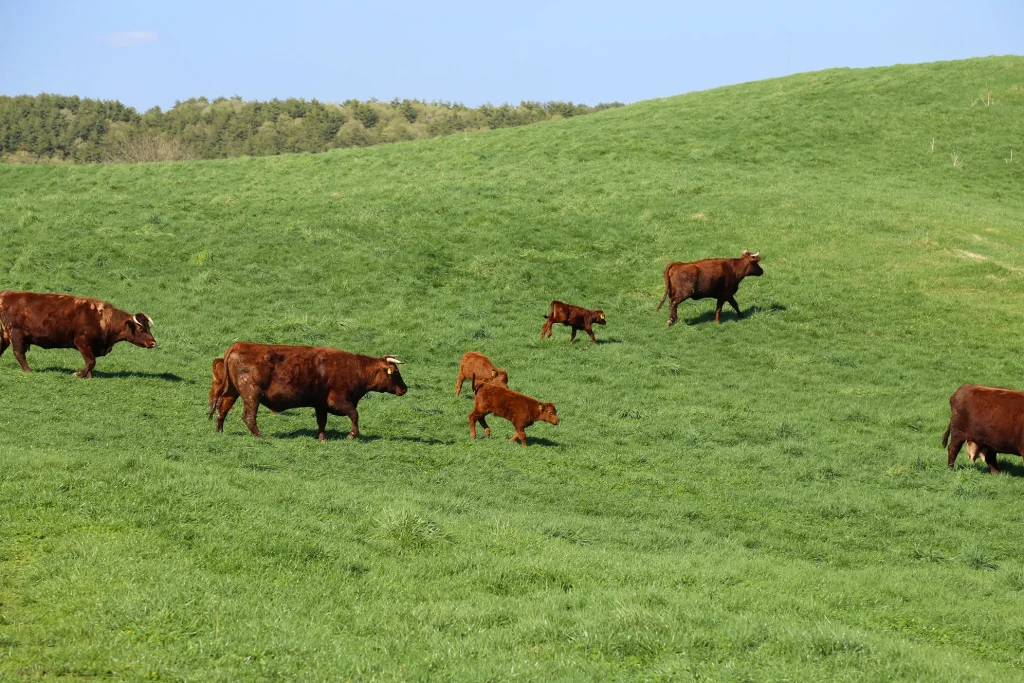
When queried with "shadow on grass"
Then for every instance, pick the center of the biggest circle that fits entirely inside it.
(122, 374)
(333, 434)
(1014, 468)
(729, 314)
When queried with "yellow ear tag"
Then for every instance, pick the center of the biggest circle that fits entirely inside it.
(389, 371)
(494, 373)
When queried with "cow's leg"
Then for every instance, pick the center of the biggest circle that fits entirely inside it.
(519, 436)
(3, 343)
(458, 382)
(989, 456)
(736, 307)
(251, 406)
(321, 423)
(475, 417)
(225, 406)
(590, 330)
(85, 348)
(672, 315)
(718, 311)
(572, 338)
(20, 347)
(955, 443)
(350, 411)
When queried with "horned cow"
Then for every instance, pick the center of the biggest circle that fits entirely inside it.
(717, 278)
(330, 381)
(62, 321)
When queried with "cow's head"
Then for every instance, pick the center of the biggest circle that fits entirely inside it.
(499, 377)
(599, 317)
(388, 378)
(137, 331)
(548, 414)
(750, 264)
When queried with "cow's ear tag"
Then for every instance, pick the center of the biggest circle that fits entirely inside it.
(494, 373)
(390, 371)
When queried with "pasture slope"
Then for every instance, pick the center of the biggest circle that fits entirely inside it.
(765, 499)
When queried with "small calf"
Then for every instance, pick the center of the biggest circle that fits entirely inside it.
(576, 317)
(519, 409)
(478, 369)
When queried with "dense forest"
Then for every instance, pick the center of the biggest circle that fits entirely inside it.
(61, 129)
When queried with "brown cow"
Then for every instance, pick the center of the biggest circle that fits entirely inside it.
(479, 369)
(519, 409)
(61, 321)
(717, 278)
(990, 420)
(282, 377)
(576, 317)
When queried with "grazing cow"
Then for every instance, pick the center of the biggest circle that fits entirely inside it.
(990, 420)
(714, 277)
(479, 369)
(61, 321)
(519, 409)
(576, 317)
(282, 377)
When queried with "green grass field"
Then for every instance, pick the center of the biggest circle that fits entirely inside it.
(764, 499)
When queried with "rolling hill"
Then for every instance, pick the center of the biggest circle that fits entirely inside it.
(764, 499)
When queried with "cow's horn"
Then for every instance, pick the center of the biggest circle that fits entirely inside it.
(746, 252)
(757, 253)
(392, 359)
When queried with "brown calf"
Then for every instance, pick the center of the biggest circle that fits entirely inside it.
(576, 317)
(479, 369)
(61, 321)
(989, 420)
(717, 278)
(519, 409)
(282, 377)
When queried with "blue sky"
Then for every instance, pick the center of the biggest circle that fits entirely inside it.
(146, 54)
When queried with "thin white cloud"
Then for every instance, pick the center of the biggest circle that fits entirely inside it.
(129, 38)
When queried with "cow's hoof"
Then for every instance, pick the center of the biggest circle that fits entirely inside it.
(351, 435)
(487, 432)
(322, 437)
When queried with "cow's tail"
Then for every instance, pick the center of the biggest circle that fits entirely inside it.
(945, 437)
(225, 386)
(219, 381)
(668, 288)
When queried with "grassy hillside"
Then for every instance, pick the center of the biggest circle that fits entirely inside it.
(765, 499)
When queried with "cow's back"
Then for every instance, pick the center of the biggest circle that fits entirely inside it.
(53, 320)
(701, 279)
(506, 403)
(291, 376)
(989, 416)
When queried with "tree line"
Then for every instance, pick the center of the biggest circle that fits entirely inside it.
(70, 129)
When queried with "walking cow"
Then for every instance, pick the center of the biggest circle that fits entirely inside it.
(989, 420)
(62, 321)
(717, 278)
(576, 317)
(282, 377)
